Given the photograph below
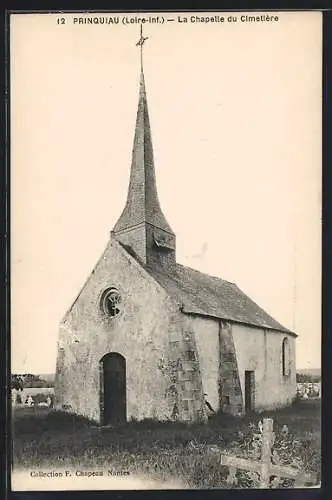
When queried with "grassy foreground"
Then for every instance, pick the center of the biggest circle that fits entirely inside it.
(164, 451)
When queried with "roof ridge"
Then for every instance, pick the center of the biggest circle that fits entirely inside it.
(206, 274)
(246, 311)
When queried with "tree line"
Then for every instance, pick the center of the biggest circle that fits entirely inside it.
(20, 382)
(307, 377)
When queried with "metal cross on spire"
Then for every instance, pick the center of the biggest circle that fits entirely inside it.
(140, 44)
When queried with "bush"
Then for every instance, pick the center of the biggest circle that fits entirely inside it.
(287, 450)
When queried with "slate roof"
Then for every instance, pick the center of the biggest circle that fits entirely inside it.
(142, 203)
(210, 296)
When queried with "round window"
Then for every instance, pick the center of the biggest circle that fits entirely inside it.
(110, 302)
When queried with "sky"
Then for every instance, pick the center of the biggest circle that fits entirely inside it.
(235, 112)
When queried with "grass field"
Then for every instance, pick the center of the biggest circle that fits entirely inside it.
(165, 451)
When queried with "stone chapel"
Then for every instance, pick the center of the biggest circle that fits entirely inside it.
(148, 338)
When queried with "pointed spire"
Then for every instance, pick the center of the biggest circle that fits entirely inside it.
(142, 204)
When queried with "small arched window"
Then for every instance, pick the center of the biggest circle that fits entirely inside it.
(285, 357)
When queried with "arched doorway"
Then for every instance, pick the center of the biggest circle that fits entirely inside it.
(113, 388)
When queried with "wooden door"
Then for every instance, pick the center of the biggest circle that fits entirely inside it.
(114, 389)
(249, 391)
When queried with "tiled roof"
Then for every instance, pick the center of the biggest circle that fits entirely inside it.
(207, 295)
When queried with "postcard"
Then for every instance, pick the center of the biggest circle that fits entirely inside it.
(165, 250)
